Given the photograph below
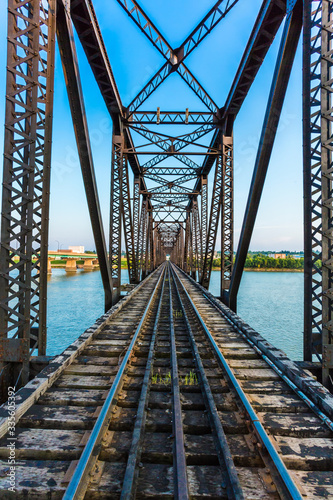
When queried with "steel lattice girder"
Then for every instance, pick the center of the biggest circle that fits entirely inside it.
(175, 61)
(136, 218)
(317, 119)
(187, 242)
(128, 225)
(167, 142)
(227, 216)
(204, 209)
(213, 222)
(116, 210)
(268, 22)
(142, 234)
(177, 145)
(172, 117)
(198, 239)
(171, 186)
(26, 177)
(87, 28)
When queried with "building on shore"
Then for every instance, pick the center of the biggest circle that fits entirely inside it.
(277, 255)
(76, 249)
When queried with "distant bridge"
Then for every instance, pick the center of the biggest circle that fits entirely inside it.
(71, 258)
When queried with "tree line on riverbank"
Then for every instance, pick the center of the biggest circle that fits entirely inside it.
(264, 262)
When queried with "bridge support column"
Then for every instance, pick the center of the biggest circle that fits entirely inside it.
(49, 267)
(88, 265)
(71, 266)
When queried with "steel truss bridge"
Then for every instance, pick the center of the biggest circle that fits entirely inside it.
(103, 396)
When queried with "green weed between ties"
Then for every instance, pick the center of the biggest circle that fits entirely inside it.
(189, 379)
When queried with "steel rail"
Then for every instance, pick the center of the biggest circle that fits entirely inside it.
(179, 457)
(234, 489)
(288, 483)
(292, 385)
(286, 379)
(130, 478)
(80, 479)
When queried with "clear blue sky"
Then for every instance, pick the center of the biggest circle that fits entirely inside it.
(134, 60)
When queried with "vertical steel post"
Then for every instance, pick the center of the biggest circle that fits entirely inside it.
(214, 218)
(187, 242)
(192, 247)
(128, 225)
(116, 212)
(204, 217)
(181, 246)
(151, 242)
(26, 179)
(310, 202)
(197, 238)
(227, 218)
(136, 220)
(147, 244)
(142, 237)
(318, 183)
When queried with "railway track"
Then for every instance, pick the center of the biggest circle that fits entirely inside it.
(167, 399)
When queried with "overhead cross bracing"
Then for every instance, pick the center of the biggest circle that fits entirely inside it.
(172, 168)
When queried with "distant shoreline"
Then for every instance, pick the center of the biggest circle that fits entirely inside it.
(267, 270)
(247, 269)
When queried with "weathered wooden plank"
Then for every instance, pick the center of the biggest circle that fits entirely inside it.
(78, 381)
(56, 417)
(108, 482)
(306, 453)
(41, 478)
(45, 444)
(247, 363)
(267, 387)
(73, 397)
(197, 422)
(252, 485)
(302, 425)
(78, 369)
(156, 481)
(256, 374)
(278, 403)
(116, 445)
(96, 360)
(315, 484)
(206, 481)
(234, 353)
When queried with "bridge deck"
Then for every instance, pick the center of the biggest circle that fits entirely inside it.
(170, 395)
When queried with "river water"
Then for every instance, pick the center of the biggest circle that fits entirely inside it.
(271, 302)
